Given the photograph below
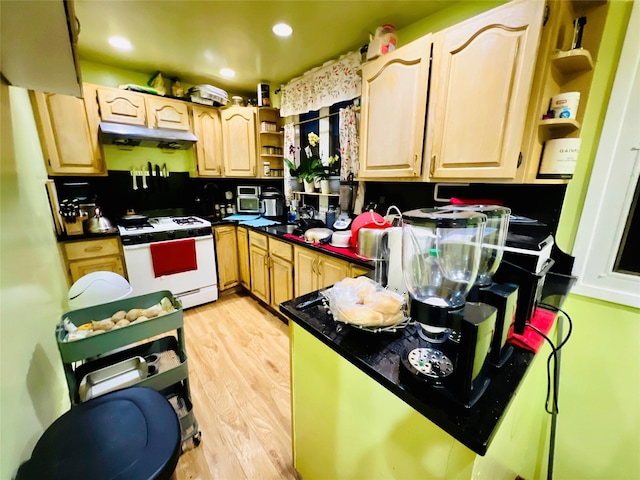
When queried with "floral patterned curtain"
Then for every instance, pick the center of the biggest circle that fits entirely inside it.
(335, 81)
(349, 160)
(349, 151)
(289, 153)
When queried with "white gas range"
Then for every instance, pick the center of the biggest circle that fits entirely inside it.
(172, 253)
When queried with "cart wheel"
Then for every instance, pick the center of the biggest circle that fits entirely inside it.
(197, 439)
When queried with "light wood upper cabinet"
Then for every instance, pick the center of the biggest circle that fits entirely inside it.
(227, 256)
(68, 132)
(481, 80)
(394, 103)
(239, 141)
(122, 106)
(167, 113)
(208, 148)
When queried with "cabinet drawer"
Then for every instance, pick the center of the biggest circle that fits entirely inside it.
(281, 249)
(91, 248)
(258, 240)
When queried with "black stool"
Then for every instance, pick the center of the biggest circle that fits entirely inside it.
(131, 434)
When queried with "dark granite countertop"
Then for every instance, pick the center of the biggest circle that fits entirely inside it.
(378, 355)
(279, 231)
(86, 236)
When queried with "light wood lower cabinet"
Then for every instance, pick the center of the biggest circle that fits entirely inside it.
(243, 257)
(227, 256)
(280, 271)
(271, 267)
(259, 266)
(87, 256)
(314, 271)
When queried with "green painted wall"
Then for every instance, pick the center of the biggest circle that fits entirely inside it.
(599, 422)
(458, 12)
(32, 287)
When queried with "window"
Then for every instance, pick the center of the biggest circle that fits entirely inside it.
(606, 247)
(326, 124)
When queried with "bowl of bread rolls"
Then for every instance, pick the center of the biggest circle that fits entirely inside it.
(365, 304)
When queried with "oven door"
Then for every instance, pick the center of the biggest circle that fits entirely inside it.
(144, 279)
(247, 204)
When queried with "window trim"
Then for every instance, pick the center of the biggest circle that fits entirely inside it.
(612, 184)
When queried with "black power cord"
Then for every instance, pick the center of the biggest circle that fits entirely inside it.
(555, 355)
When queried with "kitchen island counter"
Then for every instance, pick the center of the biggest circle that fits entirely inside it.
(507, 428)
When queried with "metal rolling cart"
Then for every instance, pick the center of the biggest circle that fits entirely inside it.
(120, 358)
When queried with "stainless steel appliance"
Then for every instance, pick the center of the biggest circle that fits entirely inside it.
(441, 254)
(272, 204)
(248, 199)
(172, 253)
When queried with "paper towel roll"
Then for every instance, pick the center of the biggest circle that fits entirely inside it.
(395, 280)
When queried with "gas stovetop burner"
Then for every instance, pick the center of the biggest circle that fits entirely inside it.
(159, 229)
(187, 220)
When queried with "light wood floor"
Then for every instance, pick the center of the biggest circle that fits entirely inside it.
(239, 376)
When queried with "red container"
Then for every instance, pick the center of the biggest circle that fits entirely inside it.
(368, 219)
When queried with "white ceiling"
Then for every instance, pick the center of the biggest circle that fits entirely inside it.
(193, 40)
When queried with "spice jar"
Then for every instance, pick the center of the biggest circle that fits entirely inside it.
(267, 169)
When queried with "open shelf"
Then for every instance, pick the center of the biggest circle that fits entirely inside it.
(557, 127)
(317, 194)
(571, 61)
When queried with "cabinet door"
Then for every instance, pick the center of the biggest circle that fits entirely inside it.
(68, 131)
(394, 104)
(482, 74)
(122, 106)
(206, 126)
(80, 268)
(243, 257)
(281, 281)
(331, 270)
(357, 270)
(239, 141)
(259, 264)
(227, 256)
(306, 277)
(167, 113)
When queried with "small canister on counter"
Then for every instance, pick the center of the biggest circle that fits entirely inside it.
(330, 216)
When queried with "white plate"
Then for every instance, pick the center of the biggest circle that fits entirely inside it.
(339, 246)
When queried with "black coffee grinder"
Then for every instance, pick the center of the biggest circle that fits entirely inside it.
(441, 253)
(503, 296)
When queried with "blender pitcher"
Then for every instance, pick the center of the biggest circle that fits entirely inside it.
(440, 257)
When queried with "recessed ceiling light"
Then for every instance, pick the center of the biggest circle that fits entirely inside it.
(120, 43)
(282, 29)
(227, 72)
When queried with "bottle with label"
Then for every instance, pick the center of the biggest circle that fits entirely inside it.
(330, 216)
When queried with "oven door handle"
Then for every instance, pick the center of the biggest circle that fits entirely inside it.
(140, 246)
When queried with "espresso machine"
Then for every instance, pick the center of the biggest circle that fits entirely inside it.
(441, 252)
(503, 296)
